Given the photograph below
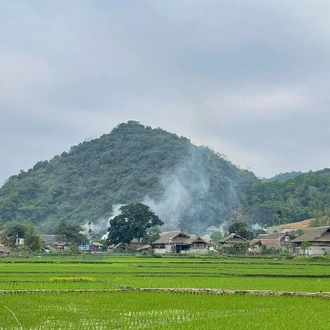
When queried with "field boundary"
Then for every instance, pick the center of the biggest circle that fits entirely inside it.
(324, 295)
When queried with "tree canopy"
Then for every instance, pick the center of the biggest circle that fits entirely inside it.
(70, 232)
(133, 222)
(241, 228)
(303, 197)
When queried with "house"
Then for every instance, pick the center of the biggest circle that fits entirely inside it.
(273, 241)
(97, 247)
(234, 243)
(211, 244)
(179, 242)
(52, 243)
(318, 238)
(233, 238)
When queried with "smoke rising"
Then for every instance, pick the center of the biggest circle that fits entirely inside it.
(100, 227)
(198, 192)
(184, 189)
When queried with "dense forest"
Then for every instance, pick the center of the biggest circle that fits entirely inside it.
(189, 187)
(304, 196)
(281, 177)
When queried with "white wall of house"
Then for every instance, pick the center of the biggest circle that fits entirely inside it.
(314, 250)
(199, 251)
(167, 249)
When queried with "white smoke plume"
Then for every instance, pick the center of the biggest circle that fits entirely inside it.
(185, 185)
(100, 227)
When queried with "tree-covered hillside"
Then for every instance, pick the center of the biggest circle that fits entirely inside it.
(189, 187)
(305, 196)
(281, 177)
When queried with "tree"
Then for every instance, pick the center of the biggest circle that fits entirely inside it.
(70, 232)
(133, 222)
(240, 228)
(216, 237)
(11, 233)
(32, 240)
(152, 235)
(305, 245)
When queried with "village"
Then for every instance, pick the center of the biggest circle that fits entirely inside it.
(311, 242)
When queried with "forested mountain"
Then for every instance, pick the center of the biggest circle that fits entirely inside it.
(282, 177)
(189, 187)
(305, 196)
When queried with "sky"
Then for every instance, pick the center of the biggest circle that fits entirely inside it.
(248, 78)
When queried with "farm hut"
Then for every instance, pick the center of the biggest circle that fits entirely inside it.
(318, 239)
(118, 248)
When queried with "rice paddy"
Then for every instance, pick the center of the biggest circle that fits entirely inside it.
(142, 293)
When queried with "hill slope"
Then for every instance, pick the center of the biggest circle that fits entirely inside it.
(189, 187)
(303, 197)
(282, 177)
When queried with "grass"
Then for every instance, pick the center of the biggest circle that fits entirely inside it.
(143, 310)
(159, 310)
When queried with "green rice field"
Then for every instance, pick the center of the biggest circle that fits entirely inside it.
(121, 292)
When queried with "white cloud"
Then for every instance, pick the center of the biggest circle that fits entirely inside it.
(249, 78)
(261, 102)
(21, 74)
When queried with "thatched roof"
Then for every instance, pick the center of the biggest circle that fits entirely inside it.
(143, 248)
(271, 238)
(172, 236)
(120, 246)
(213, 228)
(316, 234)
(194, 239)
(51, 240)
(98, 244)
(178, 238)
(233, 238)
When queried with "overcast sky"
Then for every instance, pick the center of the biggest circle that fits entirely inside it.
(248, 78)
